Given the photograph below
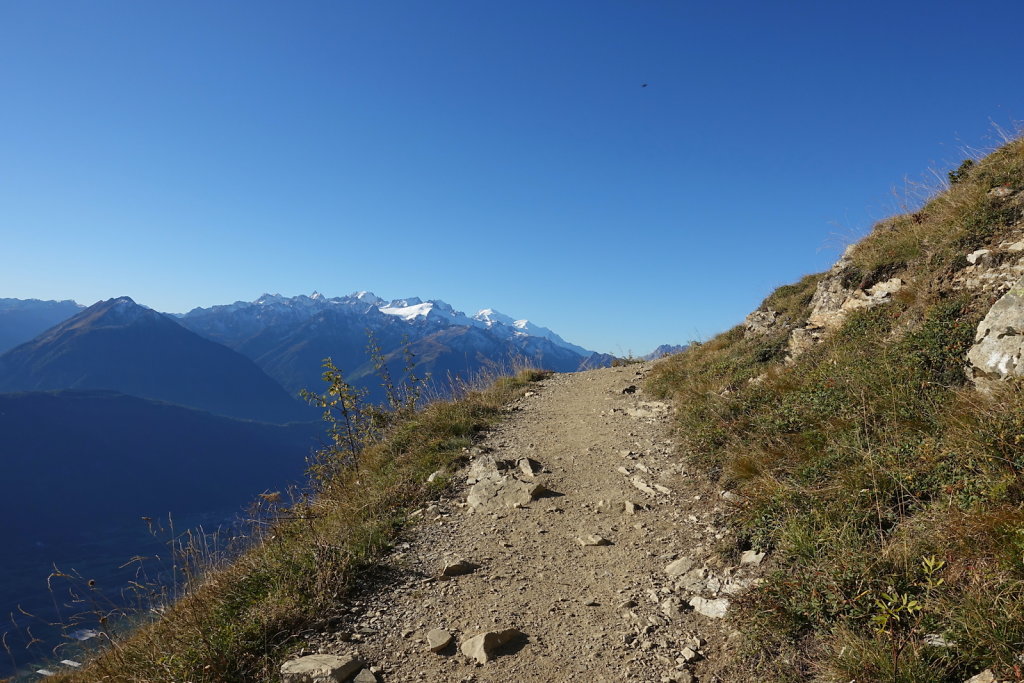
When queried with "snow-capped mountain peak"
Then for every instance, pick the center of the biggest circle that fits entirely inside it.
(503, 324)
(123, 309)
(490, 317)
(367, 298)
(408, 309)
(434, 310)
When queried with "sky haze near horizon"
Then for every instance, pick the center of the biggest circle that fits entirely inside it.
(493, 155)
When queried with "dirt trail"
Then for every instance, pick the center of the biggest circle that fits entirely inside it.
(587, 612)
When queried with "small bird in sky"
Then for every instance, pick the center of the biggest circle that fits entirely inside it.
(643, 85)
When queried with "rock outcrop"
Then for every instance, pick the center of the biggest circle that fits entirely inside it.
(999, 341)
(993, 270)
(835, 297)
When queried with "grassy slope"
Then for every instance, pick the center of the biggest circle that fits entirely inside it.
(870, 457)
(246, 617)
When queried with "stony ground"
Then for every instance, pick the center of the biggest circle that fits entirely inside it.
(579, 535)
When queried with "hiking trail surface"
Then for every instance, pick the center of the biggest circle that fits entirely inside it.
(577, 536)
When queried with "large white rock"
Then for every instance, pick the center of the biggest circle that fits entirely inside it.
(999, 341)
(320, 669)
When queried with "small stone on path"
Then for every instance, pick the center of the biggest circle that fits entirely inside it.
(593, 539)
(689, 654)
(438, 639)
(642, 485)
(529, 467)
(732, 497)
(679, 567)
(503, 492)
(679, 677)
(672, 608)
(458, 568)
(714, 609)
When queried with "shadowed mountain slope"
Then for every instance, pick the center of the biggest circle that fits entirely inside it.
(80, 470)
(22, 319)
(73, 458)
(120, 346)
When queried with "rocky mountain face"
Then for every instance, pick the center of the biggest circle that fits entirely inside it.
(999, 340)
(665, 350)
(22, 319)
(117, 345)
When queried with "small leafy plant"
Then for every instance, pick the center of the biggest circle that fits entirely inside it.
(961, 171)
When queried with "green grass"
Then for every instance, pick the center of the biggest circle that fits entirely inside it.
(870, 453)
(241, 621)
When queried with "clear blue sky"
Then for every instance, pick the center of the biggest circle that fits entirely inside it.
(491, 154)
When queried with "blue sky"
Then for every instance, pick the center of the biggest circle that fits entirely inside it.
(491, 154)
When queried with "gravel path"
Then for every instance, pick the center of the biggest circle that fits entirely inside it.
(607, 568)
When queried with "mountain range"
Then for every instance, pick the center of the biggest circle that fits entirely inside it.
(250, 359)
(288, 337)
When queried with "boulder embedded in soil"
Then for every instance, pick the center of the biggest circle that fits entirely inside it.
(483, 647)
(320, 669)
